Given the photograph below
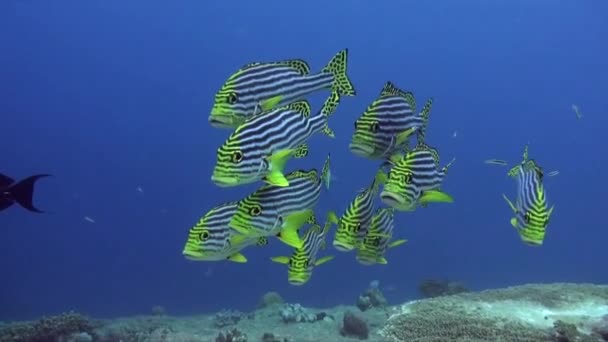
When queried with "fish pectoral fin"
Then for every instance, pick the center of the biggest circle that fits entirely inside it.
(332, 217)
(323, 260)
(514, 223)
(271, 102)
(289, 231)
(509, 203)
(301, 151)
(238, 239)
(435, 196)
(403, 136)
(281, 260)
(382, 261)
(397, 243)
(237, 257)
(277, 163)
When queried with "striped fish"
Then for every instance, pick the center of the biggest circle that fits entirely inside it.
(258, 87)
(387, 123)
(303, 260)
(378, 238)
(268, 210)
(531, 209)
(357, 218)
(211, 239)
(259, 148)
(414, 179)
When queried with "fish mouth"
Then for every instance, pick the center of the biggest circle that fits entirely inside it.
(395, 200)
(194, 255)
(342, 246)
(361, 150)
(221, 120)
(298, 280)
(224, 181)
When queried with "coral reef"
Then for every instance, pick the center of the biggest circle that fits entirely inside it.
(431, 288)
(159, 310)
(372, 297)
(231, 336)
(270, 299)
(354, 326)
(64, 327)
(296, 313)
(226, 318)
(524, 313)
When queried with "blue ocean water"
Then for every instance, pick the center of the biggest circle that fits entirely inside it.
(112, 97)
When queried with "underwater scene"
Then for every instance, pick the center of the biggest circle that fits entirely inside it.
(275, 171)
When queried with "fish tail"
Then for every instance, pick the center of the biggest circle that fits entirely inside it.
(23, 192)
(337, 67)
(329, 107)
(326, 173)
(425, 114)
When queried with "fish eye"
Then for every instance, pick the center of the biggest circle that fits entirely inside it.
(374, 127)
(231, 98)
(527, 217)
(204, 236)
(237, 156)
(255, 210)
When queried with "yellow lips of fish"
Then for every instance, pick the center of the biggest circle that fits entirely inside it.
(224, 180)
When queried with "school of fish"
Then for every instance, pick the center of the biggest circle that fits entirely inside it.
(265, 105)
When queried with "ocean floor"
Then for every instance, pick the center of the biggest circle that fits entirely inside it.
(536, 312)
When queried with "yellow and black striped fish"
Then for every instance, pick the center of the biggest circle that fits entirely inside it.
(415, 179)
(211, 239)
(259, 148)
(378, 238)
(531, 210)
(269, 210)
(357, 218)
(258, 87)
(387, 123)
(303, 260)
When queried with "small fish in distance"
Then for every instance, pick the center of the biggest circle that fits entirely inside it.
(21, 192)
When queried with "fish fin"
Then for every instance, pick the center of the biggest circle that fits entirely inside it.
(237, 257)
(395, 158)
(23, 192)
(445, 168)
(332, 217)
(435, 196)
(312, 219)
(5, 181)
(382, 261)
(513, 222)
(337, 67)
(391, 89)
(299, 64)
(397, 243)
(403, 136)
(301, 151)
(291, 225)
(329, 107)
(380, 178)
(326, 172)
(551, 210)
(323, 260)
(281, 260)
(277, 163)
(302, 107)
(270, 103)
(509, 203)
(262, 241)
(425, 114)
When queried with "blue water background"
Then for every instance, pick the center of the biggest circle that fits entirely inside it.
(113, 95)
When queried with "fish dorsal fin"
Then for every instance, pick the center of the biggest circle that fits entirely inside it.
(251, 65)
(390, 89)
(309, 174)
(312, 219)
(302, 107)
(421, 146)
(300, 65)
